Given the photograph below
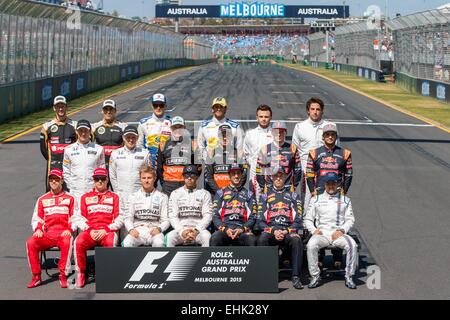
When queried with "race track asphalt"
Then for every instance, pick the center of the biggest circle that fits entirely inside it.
(399, 191)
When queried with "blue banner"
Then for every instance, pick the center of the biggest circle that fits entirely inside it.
(252, 10)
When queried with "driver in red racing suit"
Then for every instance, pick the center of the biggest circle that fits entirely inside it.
(52, 227)
(98, 219)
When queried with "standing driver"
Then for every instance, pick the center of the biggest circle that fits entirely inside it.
(56, 135)
(329, 219)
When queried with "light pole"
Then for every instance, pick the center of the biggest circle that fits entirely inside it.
(343, 6)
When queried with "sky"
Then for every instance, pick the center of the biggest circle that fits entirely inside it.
(130, 8)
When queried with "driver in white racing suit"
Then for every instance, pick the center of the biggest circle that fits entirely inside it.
(208, 134)
(145, 214)
(190, 212)
(329, 219)
(307, 136)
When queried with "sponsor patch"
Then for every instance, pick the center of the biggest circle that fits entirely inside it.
(90, 200)
(48, 202)
(54, 128)
(101, 130)
(65, 202)
(108, 200)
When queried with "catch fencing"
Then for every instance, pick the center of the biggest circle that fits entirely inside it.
(422, 44)
(363, 44)
(47, 50)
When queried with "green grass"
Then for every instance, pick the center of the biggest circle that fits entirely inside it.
(18, 125)
(430, 108)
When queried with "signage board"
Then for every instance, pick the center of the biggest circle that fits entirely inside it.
(251, 10)
(186, 269)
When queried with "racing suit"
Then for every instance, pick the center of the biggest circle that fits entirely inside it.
(307, 136)
(208, 135)
(153, 131)
(143, 212)
(173, 156)
(55, 137)
(323, 160)
(273, 156)
(217, 165)
(234, 208)
(254, 140)
(98, 210)
(282, 210)
(124, 167)
(52, 215)
(189, 209)
(108, 136)
(80, 161)
(330, 213)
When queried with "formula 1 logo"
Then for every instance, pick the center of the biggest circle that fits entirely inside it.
(178, 268)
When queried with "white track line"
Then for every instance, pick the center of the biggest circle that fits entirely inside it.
(343, 122)
(293, 92)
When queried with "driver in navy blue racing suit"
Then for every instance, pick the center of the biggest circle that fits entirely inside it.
(280, 214)
(234, 212)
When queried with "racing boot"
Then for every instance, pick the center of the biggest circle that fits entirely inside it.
(63, 280)
(81, 279)
(297, 283)
(35, 281)
(315, 282)
(349, 283)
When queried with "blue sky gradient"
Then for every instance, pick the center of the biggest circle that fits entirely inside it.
(146, 8)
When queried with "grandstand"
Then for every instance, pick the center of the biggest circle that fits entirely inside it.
(249, 45)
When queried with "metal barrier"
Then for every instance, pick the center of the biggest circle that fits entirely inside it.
(47, 50)
(40, 40)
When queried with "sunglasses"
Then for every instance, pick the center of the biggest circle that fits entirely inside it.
(189, 175)
(160, 106)
(102, 179)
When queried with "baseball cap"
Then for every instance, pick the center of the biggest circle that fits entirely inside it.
(331, 176)
(219, 101)
(191, 169)
(280, 169)
(130, 130)
(109, 103)
(59, 99)
(158, 98)
(329, 127)
(56, 172)
(235, 166)
(280, 125)
(83, 124)
(100, 172)
(177, 121)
